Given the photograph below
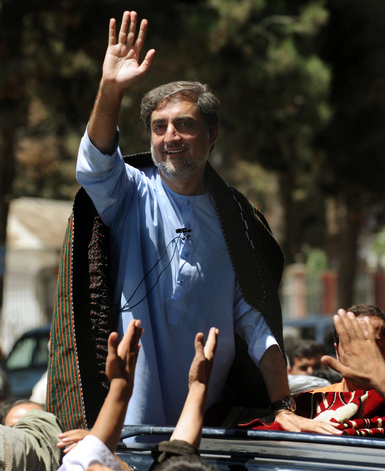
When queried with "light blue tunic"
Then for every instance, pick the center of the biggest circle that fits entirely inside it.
(189, 289)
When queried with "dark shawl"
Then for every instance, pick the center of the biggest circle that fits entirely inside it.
(82, 320)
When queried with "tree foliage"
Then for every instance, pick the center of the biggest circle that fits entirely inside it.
(353, 159)
(300, 82)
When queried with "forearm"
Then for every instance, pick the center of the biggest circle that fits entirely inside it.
(104, 117)
(111, 417)
(189, 426)
(274, 372)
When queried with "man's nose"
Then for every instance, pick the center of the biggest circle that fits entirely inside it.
(309, 370)
(171, 133)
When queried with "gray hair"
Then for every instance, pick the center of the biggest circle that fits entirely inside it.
(199, 94)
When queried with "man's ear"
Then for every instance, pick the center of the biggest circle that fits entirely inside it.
(336, 349)
(213, 134)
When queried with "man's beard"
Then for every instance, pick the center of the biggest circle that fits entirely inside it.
(183, 168)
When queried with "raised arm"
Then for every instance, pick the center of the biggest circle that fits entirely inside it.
(121, 68)
(189, 426)
(361, 361)
(120, 370)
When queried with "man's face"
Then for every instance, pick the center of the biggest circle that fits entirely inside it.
(306, 366)
(180, 141)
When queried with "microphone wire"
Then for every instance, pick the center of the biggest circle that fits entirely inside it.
(178, 237)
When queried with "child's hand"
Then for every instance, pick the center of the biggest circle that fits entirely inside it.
(71, 438)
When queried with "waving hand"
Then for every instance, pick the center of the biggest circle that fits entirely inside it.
(121, 64)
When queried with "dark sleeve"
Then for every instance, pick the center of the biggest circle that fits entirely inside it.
(165, 450)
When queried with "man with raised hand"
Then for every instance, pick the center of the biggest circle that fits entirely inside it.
(187, 251)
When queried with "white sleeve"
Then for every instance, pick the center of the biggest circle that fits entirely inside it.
(104, 177)
(87, 452)
(250, 325)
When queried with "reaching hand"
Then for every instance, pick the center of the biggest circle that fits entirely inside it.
(121, 63)
(202, 364)
(361, 362)
(122, 357)
(71, 438)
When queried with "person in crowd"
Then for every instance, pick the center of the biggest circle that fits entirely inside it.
(187, 250)
(30, 444)
(97, 448)
(361, 353)
(365, 314)
(11, 411)
(305, 366)
(305, 357)
(359, 408)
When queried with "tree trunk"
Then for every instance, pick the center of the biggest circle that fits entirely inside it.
(350, 228)
(288, 241)
(7, 174)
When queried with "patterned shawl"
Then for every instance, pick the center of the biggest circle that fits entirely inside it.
(83, 320)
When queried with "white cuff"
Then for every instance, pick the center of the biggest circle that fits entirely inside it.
(89, 451)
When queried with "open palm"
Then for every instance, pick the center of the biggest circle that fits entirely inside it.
(121, 64)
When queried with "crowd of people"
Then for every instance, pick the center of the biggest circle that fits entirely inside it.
(171, 250)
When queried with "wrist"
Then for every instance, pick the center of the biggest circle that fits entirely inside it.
(110, 90)
(285, 404)
(281, 412)
(121, 387)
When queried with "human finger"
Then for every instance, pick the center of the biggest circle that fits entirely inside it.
(344, 327)
(327, 428)
(198, 344)
(369, 333)
(68, 448)
(124, 27)
(127, 341)
(129, 350)
(134, 344)
(141, 35)
(147, 61)
(138, 332)
(332, 362)
(71, 438)
(112, 32)
(132, 28)
(75, 434)
(113, 341)
(358, 330)
(211, 343)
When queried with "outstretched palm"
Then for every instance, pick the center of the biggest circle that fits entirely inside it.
(122, 357)
(121, 64)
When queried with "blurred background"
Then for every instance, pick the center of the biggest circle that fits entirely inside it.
(302, 88)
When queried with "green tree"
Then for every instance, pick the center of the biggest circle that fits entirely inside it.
(353, 161)
(274, 90)
(51, 56)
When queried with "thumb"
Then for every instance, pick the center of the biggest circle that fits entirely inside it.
(113, 342)
(333, 363)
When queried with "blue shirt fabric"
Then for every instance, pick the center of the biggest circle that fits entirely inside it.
(176, 285)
